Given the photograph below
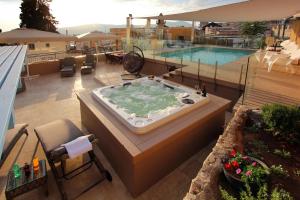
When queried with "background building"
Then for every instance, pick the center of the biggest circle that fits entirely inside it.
(37, 41)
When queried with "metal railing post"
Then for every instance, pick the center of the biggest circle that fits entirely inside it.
(166, 64)
(181, 69)
(153, 54)
(245, 84)
(215, 75)
(199, 81)
(240, 79)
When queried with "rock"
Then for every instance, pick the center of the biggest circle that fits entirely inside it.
(205, 185)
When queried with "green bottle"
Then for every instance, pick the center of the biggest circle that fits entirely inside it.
(16, 170)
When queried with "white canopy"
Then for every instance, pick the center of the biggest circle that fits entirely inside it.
(96, 35)
(252, 10)
(21, 35)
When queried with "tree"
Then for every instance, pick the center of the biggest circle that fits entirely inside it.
(36, 14)
(253, 28)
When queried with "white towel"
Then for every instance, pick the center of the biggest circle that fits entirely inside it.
(78, 146)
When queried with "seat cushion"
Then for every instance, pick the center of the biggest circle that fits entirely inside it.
(56, 133)
(67, 69)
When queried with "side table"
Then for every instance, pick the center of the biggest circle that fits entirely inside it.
(21, 185)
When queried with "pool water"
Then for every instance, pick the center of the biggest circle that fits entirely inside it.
(208, 55)
(142, 99)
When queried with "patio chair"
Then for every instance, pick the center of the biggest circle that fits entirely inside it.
(133, 63)
(52, 136)
(68, 67)
(11, 138)
(90, 60)
(89, 64)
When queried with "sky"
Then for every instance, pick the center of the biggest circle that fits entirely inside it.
(79, 12)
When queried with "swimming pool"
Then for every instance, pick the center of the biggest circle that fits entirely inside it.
(147, 103)
(208, 55)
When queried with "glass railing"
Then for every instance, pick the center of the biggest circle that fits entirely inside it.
(219, 62)
(278, 84)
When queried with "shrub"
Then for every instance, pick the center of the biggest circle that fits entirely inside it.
(225, 195)
(297, 172)
(259, 145)
(262, 194)
(281, 119)
(280, 195)
(257, 177)
(279, 171)
(282, 153)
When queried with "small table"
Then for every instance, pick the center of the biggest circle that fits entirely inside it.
(21, 185)
(86, 69)
(119, 56)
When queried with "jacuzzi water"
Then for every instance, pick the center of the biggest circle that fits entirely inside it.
(147, 103)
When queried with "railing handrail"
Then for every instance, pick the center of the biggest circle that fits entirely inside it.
(45, 54)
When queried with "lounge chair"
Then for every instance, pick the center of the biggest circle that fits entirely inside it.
(285, 43)
(68, 67)
(11, 138)
(52, 136)
(289, 48)
(295, 56)
(272, 44)
(89, 64)
(259, 55)
(271, 58)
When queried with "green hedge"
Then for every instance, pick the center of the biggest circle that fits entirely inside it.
(281, 118)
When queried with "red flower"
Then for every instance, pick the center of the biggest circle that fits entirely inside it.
(227, 166)
(233, 153)
(254, 164)
(235, 164)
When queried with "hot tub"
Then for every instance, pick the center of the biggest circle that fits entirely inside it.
(147, 103)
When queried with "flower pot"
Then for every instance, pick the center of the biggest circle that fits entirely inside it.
(235, 180)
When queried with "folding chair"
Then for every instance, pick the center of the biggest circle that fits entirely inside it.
(52, 136)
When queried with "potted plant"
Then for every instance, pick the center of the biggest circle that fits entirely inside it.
(240, 169)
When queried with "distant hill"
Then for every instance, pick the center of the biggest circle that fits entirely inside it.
(76, 30)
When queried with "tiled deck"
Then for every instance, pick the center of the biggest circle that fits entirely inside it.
(51, 97)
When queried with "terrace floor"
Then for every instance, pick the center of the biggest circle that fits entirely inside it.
(51, 97)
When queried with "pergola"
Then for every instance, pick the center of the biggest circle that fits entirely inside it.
(244, 11)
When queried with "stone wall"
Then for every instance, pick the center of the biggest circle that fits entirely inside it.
(205, 185)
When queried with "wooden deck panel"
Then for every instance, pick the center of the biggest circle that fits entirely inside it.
(10, 69)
